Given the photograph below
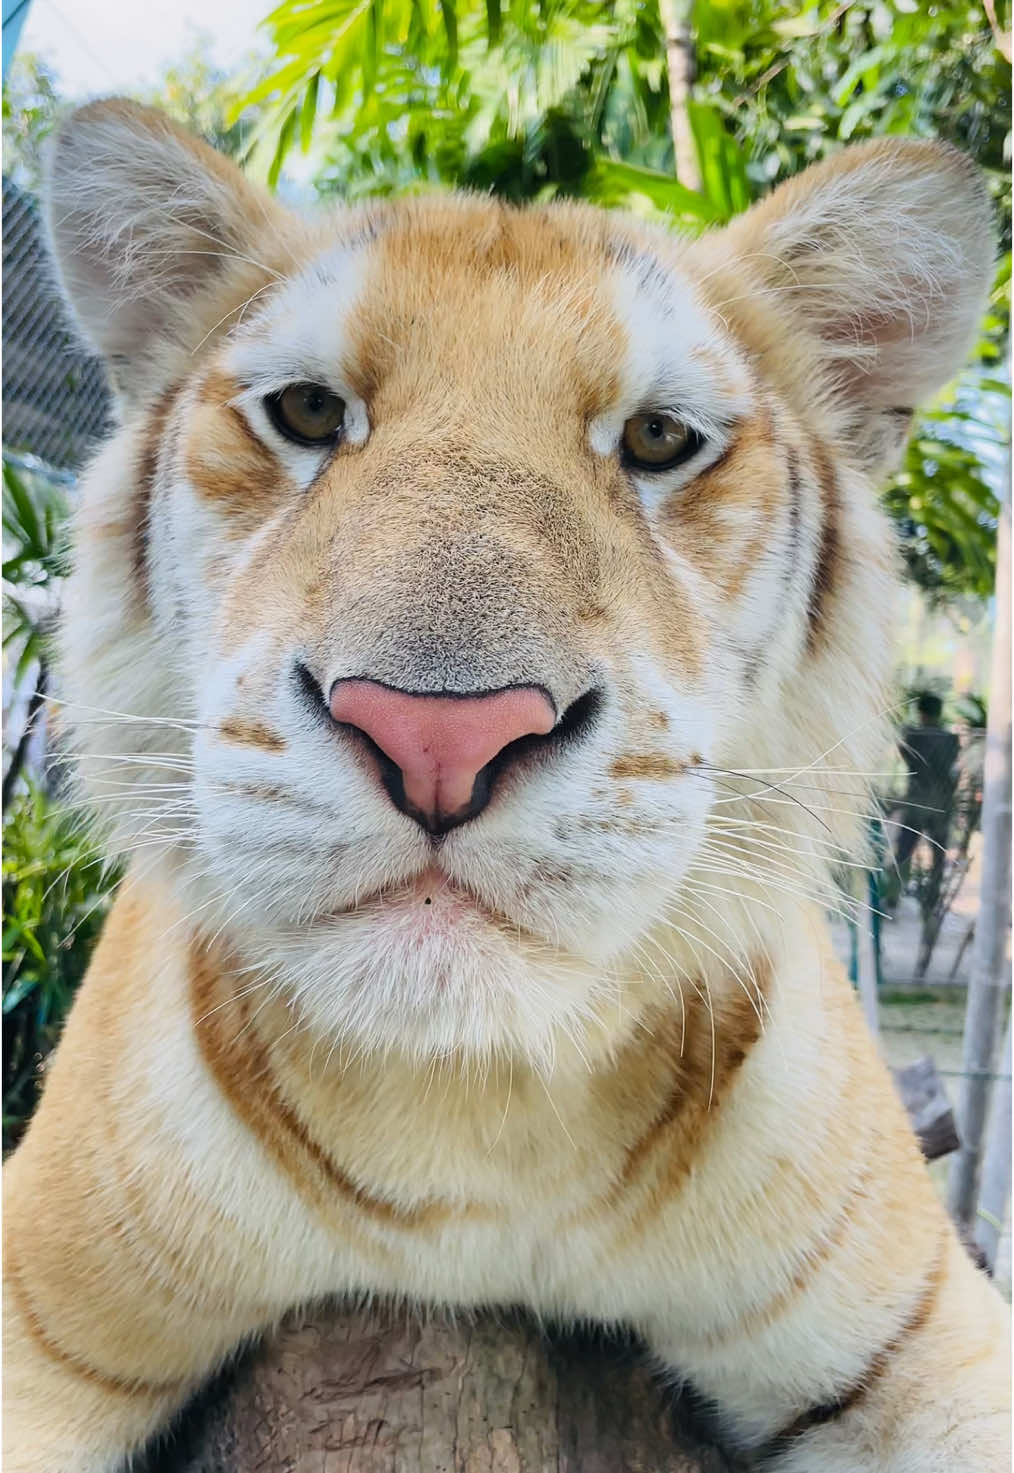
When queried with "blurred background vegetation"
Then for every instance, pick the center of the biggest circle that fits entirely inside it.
(681, 110)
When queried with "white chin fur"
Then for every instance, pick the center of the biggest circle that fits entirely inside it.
(383, 978)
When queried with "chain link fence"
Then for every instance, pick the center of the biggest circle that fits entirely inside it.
(56, 408)
(56, 401)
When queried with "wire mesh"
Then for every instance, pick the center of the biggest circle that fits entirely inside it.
(56, 401)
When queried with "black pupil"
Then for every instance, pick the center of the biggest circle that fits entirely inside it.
(316, 401)
(656, 428)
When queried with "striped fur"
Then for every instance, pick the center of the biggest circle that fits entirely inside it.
(590, 1052)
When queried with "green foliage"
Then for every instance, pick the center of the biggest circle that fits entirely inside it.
(197, 94)
(207, 100)
(944, 507)
(53, 886)
(31, 107)
(55, 895)
(795, 82)
(972, 710)
(35, 554)
(529, 101)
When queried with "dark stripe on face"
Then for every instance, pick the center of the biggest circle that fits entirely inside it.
(241, 423)
(251, 734)
(831, 1411)
(147, 472)
(224, 459)
(824, 572)
(795, 513)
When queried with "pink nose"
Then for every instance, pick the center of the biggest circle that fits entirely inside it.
(441, 744)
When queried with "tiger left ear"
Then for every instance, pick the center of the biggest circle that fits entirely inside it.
(144, 220)
(881, 258)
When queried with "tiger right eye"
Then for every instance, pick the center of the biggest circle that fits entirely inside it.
(658, 442)
(307, 414)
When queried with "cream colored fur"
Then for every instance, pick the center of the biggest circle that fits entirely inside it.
(592, 1052)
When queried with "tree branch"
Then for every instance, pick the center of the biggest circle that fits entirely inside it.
(1002, 38)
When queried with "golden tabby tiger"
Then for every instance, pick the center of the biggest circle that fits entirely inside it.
(478, 626)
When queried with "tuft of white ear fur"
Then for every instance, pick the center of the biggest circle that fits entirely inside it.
(884, 255)
(143, 219)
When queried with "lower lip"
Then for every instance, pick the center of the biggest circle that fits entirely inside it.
(429, 892)
(431, 906)
(432, 888)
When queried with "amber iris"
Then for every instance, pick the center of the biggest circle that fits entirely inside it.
(309, 414)
(657, 442)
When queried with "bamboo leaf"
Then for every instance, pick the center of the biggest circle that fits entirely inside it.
(863, 65)
(20, 516)
(285, 135)
(308, 113)
(613, 179)
(449, 14)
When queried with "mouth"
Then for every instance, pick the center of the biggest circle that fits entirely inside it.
(431, 899)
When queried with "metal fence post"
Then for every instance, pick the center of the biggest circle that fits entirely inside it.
(989, 982)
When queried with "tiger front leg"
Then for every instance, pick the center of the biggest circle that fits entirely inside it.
(807, 1280)
(935, 1399)
(146, 1231)
(109, 1324)
(69, 1406)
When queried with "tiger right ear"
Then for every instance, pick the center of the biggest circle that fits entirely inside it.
(143, 220)
(880, 259)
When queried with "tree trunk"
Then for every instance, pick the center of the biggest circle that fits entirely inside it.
(989, 981)
(346, 1391)
(677, 26)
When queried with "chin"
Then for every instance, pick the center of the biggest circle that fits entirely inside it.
(430, 970)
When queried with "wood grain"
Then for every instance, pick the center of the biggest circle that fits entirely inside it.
(344, 1391)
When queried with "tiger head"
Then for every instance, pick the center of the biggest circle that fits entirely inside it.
(482, 612)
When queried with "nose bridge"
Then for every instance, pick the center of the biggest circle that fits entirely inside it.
(442, 577)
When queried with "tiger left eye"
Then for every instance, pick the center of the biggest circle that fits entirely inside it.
(658, 442)
(308, 414)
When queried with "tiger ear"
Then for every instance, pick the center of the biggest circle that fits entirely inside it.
(882, 257)
(144, 219)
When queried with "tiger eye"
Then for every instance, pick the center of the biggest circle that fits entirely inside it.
(309, 414)
(656, 442)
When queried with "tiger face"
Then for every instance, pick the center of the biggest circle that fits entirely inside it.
(464, 583)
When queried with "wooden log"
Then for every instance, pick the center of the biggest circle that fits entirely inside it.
(929, 1109)
(347, 1391)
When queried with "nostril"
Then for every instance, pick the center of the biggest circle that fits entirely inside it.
(576, 722)
(579, 718)
(310, 692)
